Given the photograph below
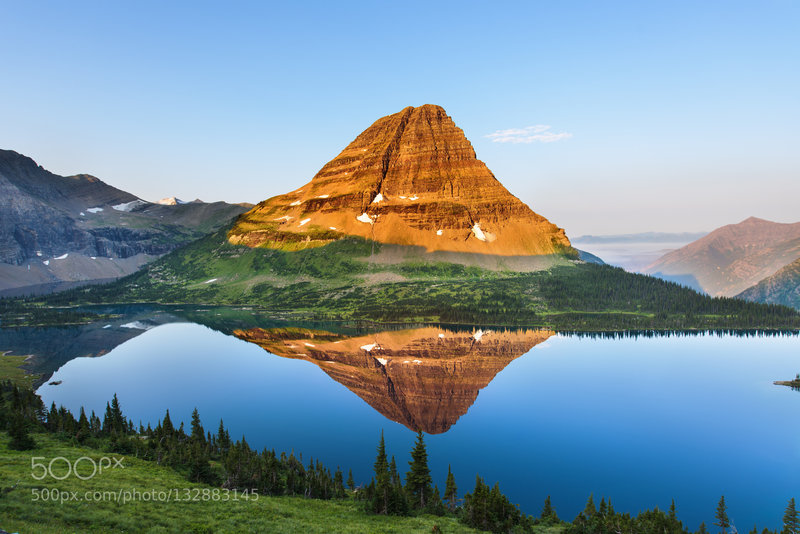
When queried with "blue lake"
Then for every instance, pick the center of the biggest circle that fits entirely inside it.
(640, 420)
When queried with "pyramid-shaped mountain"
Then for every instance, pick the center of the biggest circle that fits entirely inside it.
(423, 378)
(412, 178)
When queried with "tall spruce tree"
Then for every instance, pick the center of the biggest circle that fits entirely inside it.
(383, 489)
(198, 433)
(418, 477)
(791, 524)
(548, 512)
(450, 490)
(117, 419)
(351, 484)
(723, 522)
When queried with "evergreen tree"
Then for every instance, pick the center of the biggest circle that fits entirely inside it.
(450, 490)
(791, 525)
(117, 419)
(198, 433)
(590, 509)
(436, 506)
(18, 431)
(548, 512)
(223, 439)
(394, 476)
(418, 478)
(722, 515)
(338, 484)
(199, 467)
(166, 425)
(351, 484)
(702, 529)
(83, 427)
(380, 501)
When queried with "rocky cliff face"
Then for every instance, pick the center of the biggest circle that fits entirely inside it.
(424, 378)
(732, 258)
(45, 218)
(782, 287)
(412, 178)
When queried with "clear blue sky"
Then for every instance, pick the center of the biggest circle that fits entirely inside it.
(683, 115)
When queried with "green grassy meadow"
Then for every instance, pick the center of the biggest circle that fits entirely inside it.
(197, 511)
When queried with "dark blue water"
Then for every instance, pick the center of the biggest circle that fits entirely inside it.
(641, 421)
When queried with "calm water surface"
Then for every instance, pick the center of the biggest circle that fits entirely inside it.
(639, 420)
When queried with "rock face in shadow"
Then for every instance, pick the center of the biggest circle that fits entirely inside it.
(424, 378)
(412, 178)
(75, 228)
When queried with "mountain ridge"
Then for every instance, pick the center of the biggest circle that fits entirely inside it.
(733, 257)
(411, 178)
(76, 228)
(783, 287)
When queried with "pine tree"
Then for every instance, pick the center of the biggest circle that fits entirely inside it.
(18, 432)
(338, 484)
(418, 478)
(380, 502)
(791, 525)
(117, 419)
(450, 490)
(83, 427)
(590, 509)
(394, 476)
(702, 529)
(198, 433)
(548, 512)
(166, 425)
(722, 515)
(351, 484)
(223, 439)
(672, 512)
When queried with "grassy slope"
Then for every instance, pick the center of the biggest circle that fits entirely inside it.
(332, 282)
(267, 514)
(11, 369)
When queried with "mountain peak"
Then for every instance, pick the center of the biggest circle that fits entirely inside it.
(411, 178)
(755, 220)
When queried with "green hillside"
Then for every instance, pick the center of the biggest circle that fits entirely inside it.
(346, 280)
(25, 509)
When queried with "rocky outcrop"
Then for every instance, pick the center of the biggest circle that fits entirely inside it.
(412, 178)
(44, 217)
(782, 287)
(424, 378)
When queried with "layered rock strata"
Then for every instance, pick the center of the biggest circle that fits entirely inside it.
(424, 378)
(412, 178)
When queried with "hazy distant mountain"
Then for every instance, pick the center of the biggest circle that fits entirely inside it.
(782, 287)
(732, 258)
(68, 228)
(644, 237)
(634, 252)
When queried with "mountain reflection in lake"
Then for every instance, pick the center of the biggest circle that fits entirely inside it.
(642, 420)
(425, 378)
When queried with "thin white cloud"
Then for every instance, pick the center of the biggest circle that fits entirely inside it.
(541, 133)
